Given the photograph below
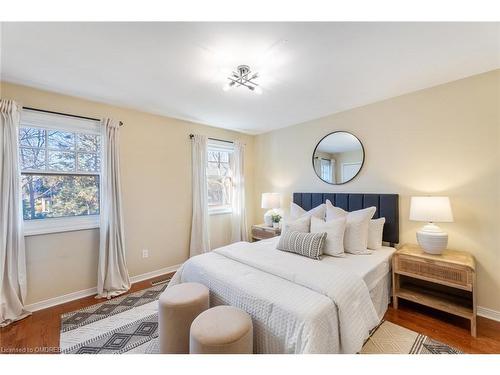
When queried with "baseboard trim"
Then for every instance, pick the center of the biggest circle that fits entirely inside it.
(488, 313)
(59, 300)
(91, 291)
(149, 275)
(481, 311)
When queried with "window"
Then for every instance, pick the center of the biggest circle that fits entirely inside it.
(60, 162)
(219, 177)
(350, 170)
(326, 169)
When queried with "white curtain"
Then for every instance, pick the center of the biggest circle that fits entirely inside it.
(12, 253)
(200, 242)
(112, 276)
(238, 220)
(333, 165)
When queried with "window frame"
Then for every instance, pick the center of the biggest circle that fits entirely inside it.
(216, 145)
(55, 122)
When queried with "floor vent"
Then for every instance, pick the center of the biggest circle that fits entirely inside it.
(161, 281)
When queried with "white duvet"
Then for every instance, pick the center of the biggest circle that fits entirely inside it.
(298, 305)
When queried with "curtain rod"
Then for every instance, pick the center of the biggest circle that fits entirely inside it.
(64, 114)
(213, 139)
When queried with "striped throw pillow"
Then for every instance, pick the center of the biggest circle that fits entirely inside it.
(306, 244)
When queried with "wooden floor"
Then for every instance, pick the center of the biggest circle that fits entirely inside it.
(39, 333)
(448, 329)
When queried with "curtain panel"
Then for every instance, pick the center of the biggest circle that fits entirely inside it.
(200, 241)
(238, 220)
(12, 250)
(112, 276)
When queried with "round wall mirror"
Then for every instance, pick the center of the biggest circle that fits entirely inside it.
(338, 157)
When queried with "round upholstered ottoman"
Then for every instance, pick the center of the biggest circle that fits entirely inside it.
(178, 306)
(222, 330)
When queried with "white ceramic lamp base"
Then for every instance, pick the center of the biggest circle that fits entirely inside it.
(432, 239)
(268, 218)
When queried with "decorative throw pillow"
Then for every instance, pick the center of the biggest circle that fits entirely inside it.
(306, 244)
(296, 211)
(301, 224)
(356, 230)
(375, 232)
(334, 229)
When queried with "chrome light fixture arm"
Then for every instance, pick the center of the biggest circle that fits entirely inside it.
(241, 78)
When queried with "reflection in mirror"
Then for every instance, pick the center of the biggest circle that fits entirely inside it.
(338, 158)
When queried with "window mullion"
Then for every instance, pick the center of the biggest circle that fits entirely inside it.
(46, 150)
(75, 140)
(58, 173)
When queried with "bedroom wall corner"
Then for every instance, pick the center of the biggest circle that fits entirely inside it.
(156, 185)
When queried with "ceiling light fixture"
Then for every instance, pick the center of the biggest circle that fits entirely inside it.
(243, 76)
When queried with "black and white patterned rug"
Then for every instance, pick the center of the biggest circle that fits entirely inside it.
(390, 338)
(129, 324)
(126, 324)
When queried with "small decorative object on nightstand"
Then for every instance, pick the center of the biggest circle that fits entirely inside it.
(445, 282)
(262, 232)
(276, 218)
(271, 201)
(431, 210)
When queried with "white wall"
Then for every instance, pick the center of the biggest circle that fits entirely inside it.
(444, 140)
(156, 184)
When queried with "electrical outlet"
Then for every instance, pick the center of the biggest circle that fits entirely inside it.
(145, 253)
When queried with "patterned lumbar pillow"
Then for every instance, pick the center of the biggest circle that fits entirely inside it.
(306, 244)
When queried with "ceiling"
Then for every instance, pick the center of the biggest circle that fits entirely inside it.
(339, 142)
(307, 70)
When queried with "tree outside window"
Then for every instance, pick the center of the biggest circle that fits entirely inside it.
(219, 179)
(60, 173)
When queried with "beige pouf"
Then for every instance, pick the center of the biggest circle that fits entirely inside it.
(178, 306)
(222, 330)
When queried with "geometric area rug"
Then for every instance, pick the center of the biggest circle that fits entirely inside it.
(389, 338)
(129, 324)
(125, 324)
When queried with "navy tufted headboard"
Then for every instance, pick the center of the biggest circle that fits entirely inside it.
(387, 206)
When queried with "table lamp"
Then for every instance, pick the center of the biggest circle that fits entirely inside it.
(430, 237)
(271, 201)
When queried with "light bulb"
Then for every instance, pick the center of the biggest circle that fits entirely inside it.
(258, 90)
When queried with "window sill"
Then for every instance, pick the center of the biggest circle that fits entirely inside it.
(58, 225)
(220, 211)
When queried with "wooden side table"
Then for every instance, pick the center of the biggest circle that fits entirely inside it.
(262, 232)
(445, 282)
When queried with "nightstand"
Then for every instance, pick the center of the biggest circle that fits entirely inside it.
(445, 282)
(262, 232)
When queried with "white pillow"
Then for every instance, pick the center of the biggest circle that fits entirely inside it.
(301, 224)
(296, 211)
(375, 232)
(334, 229)
(356, 229)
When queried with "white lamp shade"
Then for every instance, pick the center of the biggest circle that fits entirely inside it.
(271, 200)
(431, 209)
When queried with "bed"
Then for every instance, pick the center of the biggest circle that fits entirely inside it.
(297, 304)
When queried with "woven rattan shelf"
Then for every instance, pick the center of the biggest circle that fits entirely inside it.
(445, 282)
